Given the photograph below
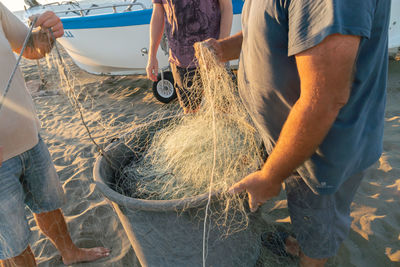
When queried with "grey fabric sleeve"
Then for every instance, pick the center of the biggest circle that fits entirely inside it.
(311, 21)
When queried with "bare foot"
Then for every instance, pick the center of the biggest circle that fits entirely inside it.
(85, 255)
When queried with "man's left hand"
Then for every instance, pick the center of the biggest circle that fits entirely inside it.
(258, 187)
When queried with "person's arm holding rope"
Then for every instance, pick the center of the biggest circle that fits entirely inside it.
(226, 18)
(228, 48)
(156, 32)
(41, 41)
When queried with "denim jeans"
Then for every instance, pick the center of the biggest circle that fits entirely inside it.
(27, 179)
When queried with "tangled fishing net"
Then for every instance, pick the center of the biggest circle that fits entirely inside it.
(214, 147)
(181, 156)
(207, 151)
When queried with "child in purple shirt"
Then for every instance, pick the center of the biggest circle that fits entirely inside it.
(186, 22)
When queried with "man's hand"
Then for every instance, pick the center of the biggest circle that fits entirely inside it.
(258, 187)
(228, 48)
(152, 69)
(49, 20)
(41, 41)
(215, 46)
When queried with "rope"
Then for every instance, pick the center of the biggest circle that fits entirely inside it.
(78, 106)
(205, 243)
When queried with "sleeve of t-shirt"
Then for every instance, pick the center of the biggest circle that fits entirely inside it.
(14, 29)
(311, 21)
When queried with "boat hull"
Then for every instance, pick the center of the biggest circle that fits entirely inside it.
(111, 51)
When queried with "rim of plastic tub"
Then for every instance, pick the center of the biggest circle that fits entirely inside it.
(144, 204)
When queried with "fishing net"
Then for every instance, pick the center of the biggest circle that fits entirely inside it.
(212, 148)
(180, 156)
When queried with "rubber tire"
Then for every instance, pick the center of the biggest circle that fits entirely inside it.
(168, 78)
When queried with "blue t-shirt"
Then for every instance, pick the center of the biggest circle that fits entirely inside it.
(276, 30)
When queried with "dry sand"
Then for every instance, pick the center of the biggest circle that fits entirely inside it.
(120, 102)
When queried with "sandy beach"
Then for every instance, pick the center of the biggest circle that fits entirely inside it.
(118, 104)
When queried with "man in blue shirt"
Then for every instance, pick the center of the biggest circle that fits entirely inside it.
(313, 77)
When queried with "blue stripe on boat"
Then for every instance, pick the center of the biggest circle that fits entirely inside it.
(237, 6)
(131, 18)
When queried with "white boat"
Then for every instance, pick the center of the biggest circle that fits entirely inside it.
(112, 39)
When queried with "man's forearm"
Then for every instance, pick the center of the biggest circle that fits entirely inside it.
(325, 80)
(304, 130)
(231, 47)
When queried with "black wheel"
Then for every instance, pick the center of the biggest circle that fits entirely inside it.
(164, 91)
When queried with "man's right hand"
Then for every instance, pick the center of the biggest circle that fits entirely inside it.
(228, 48)
(215, 45)
(259, 188)
(152, 68)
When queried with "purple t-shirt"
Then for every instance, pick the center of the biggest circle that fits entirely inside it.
(188, 22)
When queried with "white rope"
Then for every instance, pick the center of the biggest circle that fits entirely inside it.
(211, 176)
(77, 105)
